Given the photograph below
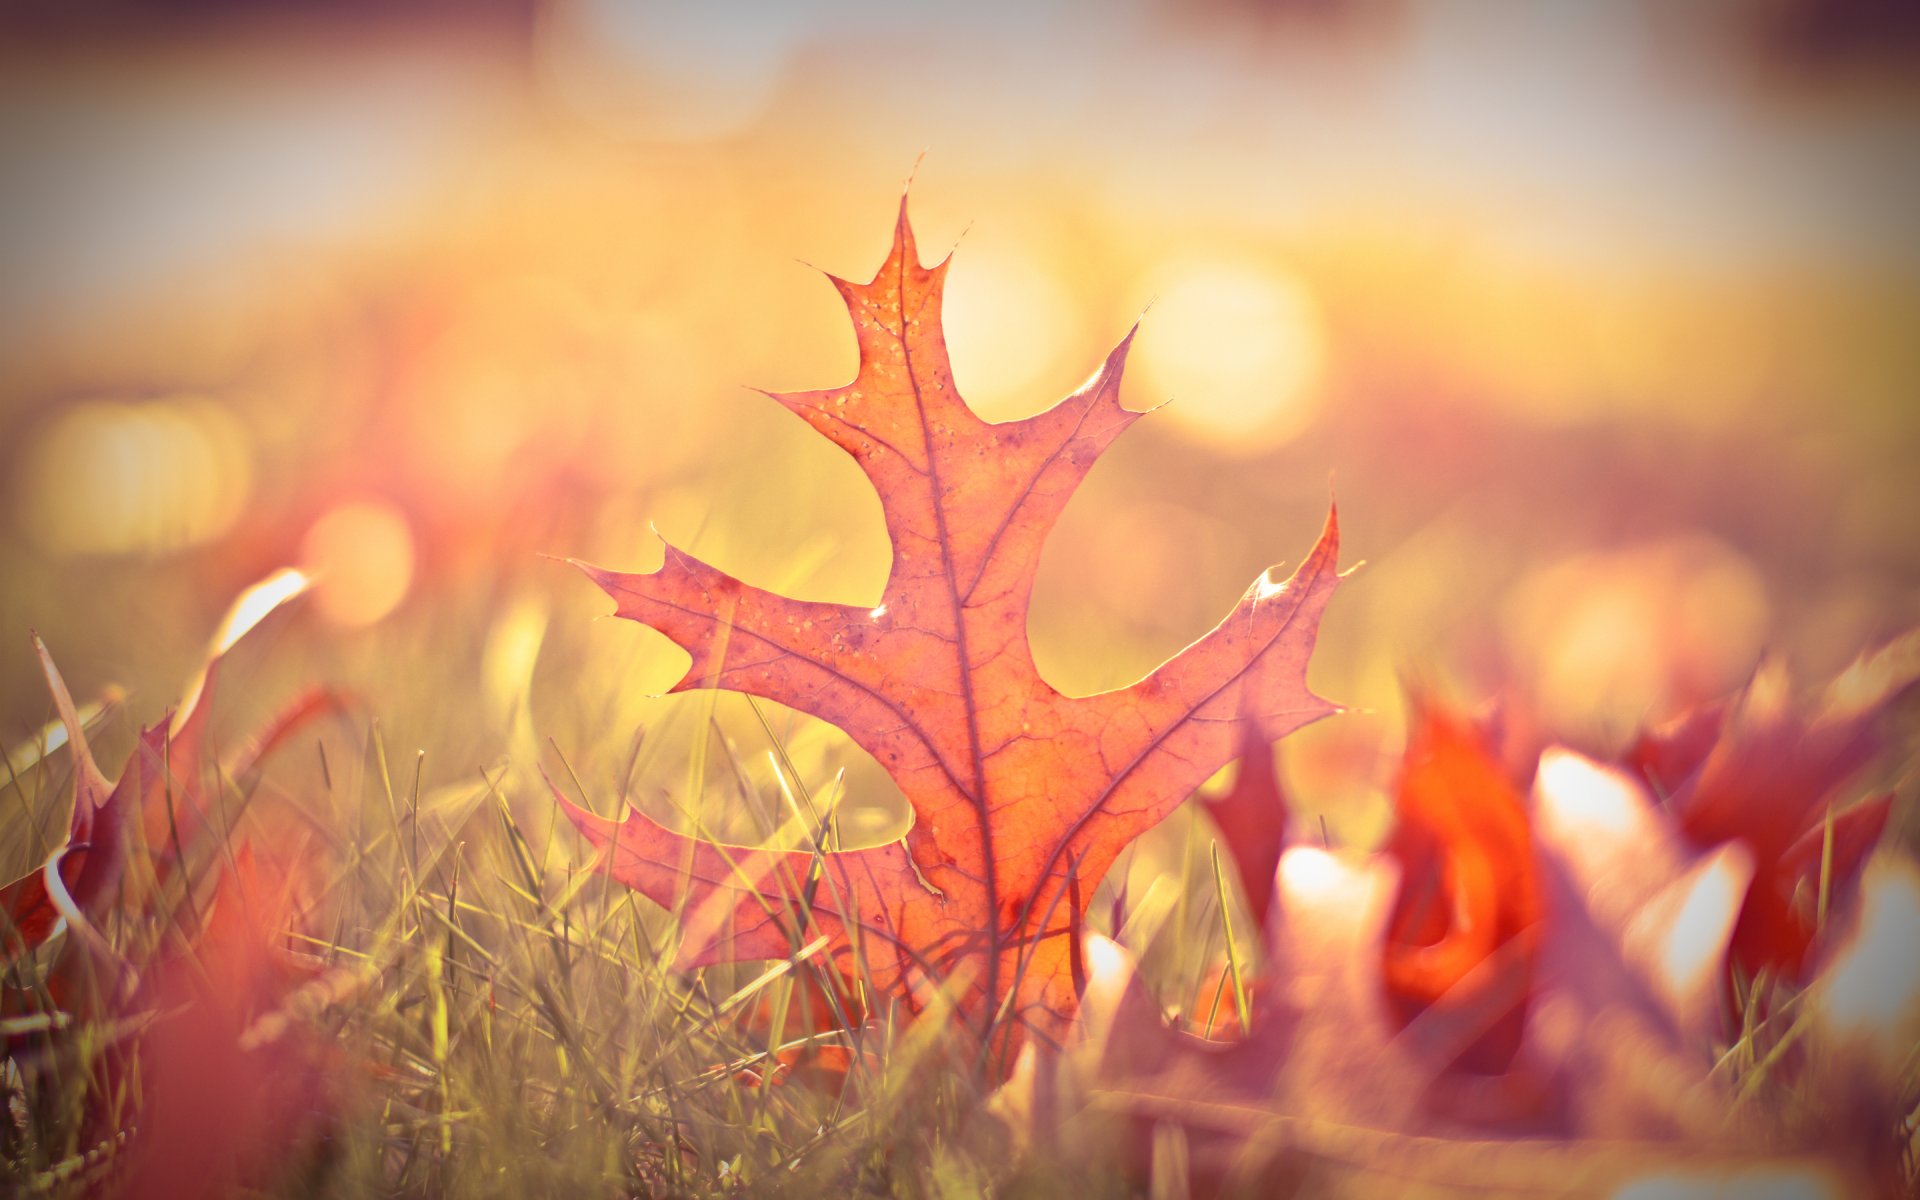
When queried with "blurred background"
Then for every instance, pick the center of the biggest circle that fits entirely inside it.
(1600, 318)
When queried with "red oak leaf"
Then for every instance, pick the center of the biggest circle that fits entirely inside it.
(1612, 1081)
(1022, 797)
(160, 787)
(88, 862)
(817, 1004)
(1755, 769)
(1468, 882)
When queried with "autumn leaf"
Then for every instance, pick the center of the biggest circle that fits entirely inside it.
(1334, 1093)
(1022, 797)
(80, 870)
(236, 1089)
(159, 788)
(1759, 770)
(218, 1045)
(1468, 883)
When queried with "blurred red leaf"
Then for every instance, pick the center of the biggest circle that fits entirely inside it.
(87, 864)
(230, 1081)
(1612, 1079)
(1468, 881)
(234, 1092)
(1022, 796)
(1757, 770)
(160, 786)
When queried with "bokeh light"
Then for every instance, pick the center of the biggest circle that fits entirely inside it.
(1008, 320)
(1616, 635)
(1239, 349)
(361, 555)
(116, 477)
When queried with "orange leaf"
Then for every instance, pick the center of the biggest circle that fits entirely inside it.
(1022, 797)
(1468, 880)
(1610, 1078)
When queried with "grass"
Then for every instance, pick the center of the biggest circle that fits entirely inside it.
(456, 1006)
(492, 1018)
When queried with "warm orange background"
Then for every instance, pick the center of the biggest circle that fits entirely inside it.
(1601, 319)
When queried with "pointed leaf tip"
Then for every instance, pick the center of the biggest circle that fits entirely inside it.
(904, 243)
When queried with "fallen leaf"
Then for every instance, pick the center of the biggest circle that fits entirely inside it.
(1022, 797)
(230, 1074)
(1468, 883)
(1332, 1094)
(1757, 770)
(235, 1092)
(88, 862)
(803, 1023)
(159, 787)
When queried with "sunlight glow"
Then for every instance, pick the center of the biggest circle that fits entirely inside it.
(248, 609)
(1309, 875)
(1685, 933)
(361, 554)
(1272, 582)
(512, 651)
(107, 477)
(1007, 319)
(1239, 348)
(1107, 960)
(53, 735)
